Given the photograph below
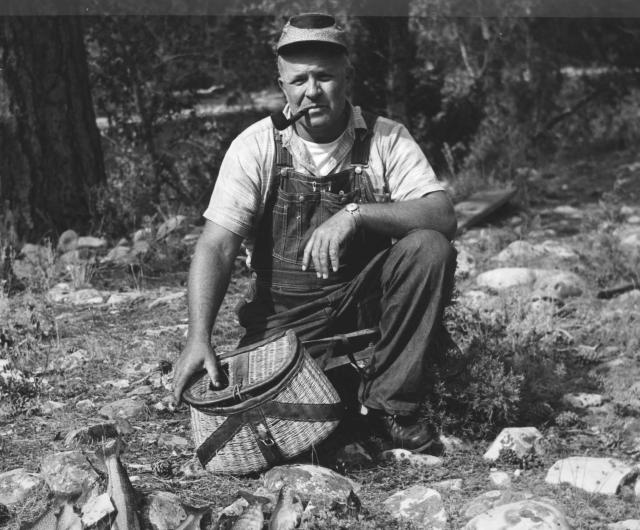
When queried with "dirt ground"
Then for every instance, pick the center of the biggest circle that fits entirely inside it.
(131, 340)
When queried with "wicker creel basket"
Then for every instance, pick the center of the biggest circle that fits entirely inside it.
(278, 404)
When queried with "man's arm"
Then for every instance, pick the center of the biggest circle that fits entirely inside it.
(434, 212)
(209, 277)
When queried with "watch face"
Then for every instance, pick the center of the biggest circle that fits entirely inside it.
(352, 207)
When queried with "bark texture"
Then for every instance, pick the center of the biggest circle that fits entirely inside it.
(50, 157)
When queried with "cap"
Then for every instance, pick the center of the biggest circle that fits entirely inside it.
(311, 27)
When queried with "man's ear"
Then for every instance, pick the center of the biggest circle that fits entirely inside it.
(280, 83)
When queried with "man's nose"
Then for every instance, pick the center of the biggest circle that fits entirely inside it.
(313, 89)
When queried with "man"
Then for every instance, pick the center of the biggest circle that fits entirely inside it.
(321, 201)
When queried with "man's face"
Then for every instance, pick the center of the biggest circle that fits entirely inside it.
(320, 80)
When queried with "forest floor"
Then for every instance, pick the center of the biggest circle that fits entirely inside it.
(122, 345)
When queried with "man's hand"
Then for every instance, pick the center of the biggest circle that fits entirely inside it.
(324, 244)
(194, 356)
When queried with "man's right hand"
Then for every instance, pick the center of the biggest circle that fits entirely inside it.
(194, 357)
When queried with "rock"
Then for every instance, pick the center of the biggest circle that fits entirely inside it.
(507, 277)
(67, 241)
(228, 515)
(91, 242)
(452, 444)
(98, 432)
(419, 505)
(523, 440)
(582, 400)
(170, 225)
(523, 515)
(311, 482)
(490, 499)
(466, 264)
(117, 383)
(70, 361)
(568, 211)
(49, 407)
(192, 469)
(500, 479)
(594, 475)
(143, 234)
(557, 284)
(143, 390)
(18, 484)
(451, 484)
(96, 509)
(413, 459)
(121, 298)
(518, 251)
(164, 510)
(85, 297)
(353, 455)
(128, 408)
(172, 441)
(634, 220)
(68, 473)
(629, 237)
(59, 293)
(629, 524)
(85, 405)
(165, 299)
(480, 301)
(140, 248)
(120, 254)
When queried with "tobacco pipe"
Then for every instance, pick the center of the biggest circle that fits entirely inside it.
(281, 122)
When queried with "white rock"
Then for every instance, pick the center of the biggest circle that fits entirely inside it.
(594, 475)
(67, 241)
(452, 484)
(96, 509)
(166, 299)
(16, 485)
(49, 406)
(629, 524)
(85, 405)
(630, 241)
(128, 409)
(172, 441)
(419, 505)
(633, 220)
(91, 242)
(500, 479)
(170, 225)
(418, 460)
(59, 293)
(466, 264)
(311, 482)
(522, 440)
(518, 250)
(568, 211)
(120, 298)
(120, 254)
(583, 400)
(507, 277)
(72, 361)
(165, 511)
(523, 515)
(117, 383)
(143, 234)
(85, 297)
(68, 473)
(557, 284)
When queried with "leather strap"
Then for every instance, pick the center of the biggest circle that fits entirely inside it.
(256, 417)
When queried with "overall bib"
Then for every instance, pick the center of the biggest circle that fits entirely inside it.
(377, 284)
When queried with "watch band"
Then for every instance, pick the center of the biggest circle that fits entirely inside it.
(354, 209)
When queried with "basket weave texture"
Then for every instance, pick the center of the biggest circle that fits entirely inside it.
(307, 385)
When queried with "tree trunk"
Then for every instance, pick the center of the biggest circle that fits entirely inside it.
(51, 156)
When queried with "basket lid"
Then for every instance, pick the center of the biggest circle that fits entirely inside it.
(249, 369)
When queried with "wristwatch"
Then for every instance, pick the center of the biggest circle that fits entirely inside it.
(354, 209)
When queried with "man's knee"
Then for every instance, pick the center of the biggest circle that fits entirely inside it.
(426, 248)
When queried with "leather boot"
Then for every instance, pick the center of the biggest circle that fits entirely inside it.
(408, 432)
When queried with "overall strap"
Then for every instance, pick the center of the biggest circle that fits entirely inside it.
(362, 143)
(283, 156)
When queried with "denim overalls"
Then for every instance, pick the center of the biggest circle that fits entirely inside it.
(372, 272)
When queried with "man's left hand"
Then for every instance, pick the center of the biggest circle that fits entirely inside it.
(325, 242)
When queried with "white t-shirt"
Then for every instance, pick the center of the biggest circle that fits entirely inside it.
(396, 163)
(321, 155)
